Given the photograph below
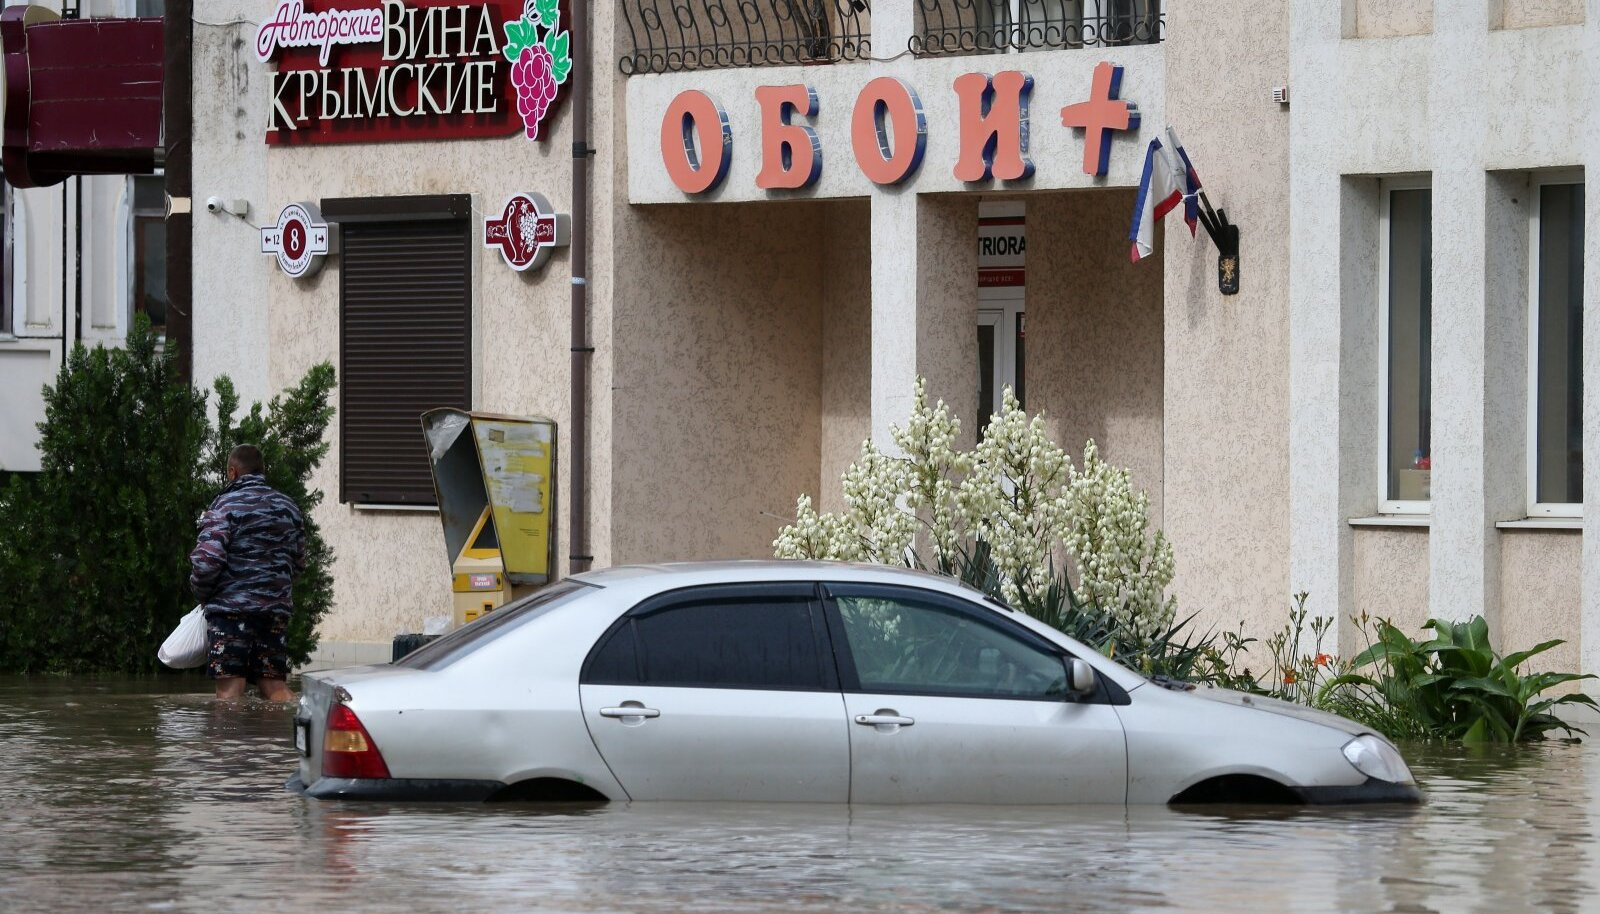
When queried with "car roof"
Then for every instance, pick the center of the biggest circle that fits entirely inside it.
(672, 575)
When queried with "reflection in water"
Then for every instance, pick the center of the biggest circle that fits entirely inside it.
(125, 795)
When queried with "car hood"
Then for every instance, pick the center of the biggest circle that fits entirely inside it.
(1278, 706)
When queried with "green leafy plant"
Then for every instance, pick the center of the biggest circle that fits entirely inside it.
(1297, 676)
(1452, 686)
(94, 548)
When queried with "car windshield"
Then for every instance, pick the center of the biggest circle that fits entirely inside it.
(447, 649)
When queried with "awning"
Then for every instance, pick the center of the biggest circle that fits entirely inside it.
(82, 96)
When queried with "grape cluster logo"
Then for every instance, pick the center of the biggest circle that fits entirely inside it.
(539, 51)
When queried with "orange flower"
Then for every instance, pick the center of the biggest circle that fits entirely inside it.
(1289, 678)
(1323, 660)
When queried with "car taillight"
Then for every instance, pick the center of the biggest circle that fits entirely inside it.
(348, 750)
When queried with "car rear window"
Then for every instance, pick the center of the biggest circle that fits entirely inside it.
(447, 649)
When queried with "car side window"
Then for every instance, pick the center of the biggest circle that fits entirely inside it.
(617, 661)
(741, 643)
(906, 645)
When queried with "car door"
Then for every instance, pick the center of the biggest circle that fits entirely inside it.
(950, 702)
(720, 693)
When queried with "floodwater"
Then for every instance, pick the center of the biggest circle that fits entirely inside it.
(144, 795)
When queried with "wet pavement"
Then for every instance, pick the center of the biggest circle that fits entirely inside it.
(144, 795)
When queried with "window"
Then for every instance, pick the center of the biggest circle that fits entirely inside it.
(733, 642)
(1555, 364)
(405, 337)
(904, 645)
(7, 274)
(1405, 327)
(149, 228)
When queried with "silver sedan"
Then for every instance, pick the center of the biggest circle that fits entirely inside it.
(816, 682)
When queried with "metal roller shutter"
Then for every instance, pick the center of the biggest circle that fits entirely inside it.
(405, 343)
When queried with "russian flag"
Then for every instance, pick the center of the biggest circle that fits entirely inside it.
(1168, 179)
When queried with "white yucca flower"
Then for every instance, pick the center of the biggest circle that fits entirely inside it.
(1016, 491)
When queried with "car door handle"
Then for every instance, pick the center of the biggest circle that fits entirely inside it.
(626, 711)
(882, 719)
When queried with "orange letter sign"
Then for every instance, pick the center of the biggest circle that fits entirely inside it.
(886, 105)
(791, 157)
(994, 126)
(687, 135)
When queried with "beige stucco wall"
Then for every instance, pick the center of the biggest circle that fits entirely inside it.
(845, 274)
(1226, 379)
(718, 385)
(390, 568)
(1391, 582)
(1095, 333)
(1531, 14)
(1540, 577)
(1388, 18)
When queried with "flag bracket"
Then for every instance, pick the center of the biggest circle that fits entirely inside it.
(1225, 235)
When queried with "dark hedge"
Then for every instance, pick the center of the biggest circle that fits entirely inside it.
(94, 548)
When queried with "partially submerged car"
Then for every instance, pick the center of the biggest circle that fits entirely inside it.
(805, 681)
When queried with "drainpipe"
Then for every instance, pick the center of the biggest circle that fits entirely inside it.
(579, 558)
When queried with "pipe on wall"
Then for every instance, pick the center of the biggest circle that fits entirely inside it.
(578, 557)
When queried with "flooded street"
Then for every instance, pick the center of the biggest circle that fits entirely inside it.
(125, 795)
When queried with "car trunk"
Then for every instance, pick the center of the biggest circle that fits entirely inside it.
(319, 691)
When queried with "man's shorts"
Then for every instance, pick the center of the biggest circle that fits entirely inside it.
(248, 645)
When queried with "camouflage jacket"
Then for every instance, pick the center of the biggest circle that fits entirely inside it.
(252, 545)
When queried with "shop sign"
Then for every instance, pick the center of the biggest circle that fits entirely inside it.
(364, 71)
(526, 231)
(1002, 252)
(301, 240)
(889, 131)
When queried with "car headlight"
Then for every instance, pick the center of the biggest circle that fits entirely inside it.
(1375, 758)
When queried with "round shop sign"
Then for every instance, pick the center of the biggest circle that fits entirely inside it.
(300, 240)
(526, 230)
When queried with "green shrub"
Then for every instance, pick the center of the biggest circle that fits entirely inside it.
(94, 548)
(1454, 686)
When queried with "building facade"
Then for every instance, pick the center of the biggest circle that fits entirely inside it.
(942, 189)
(80, 258)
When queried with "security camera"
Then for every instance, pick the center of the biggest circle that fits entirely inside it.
(215, 205)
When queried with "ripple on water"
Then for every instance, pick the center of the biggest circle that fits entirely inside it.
(148, 795)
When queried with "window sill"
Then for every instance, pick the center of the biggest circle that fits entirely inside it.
(1393, 520)
(396, 509)
(1542, 523)
(27, 343)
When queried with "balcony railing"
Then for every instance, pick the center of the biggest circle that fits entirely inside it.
(673, 35)
(947, 27)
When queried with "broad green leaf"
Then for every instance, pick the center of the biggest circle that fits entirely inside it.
(549, 11)
(1516, 659)
(520, 35)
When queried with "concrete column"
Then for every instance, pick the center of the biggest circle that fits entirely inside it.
(1463, 551)
(1589, 626)
(924, 305)
(892, 24)
(1321, 543)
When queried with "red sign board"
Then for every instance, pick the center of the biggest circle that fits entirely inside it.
(366, 71)
(526, 231)
(81, 96)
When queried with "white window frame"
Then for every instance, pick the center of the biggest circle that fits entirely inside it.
(7, 266)
(1538, 508)
(1386, 188)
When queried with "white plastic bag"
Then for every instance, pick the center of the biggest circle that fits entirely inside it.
(187, 647)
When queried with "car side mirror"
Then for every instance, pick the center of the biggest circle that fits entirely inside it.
(1081, 682)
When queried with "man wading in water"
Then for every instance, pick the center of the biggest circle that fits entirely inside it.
(252, 546)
